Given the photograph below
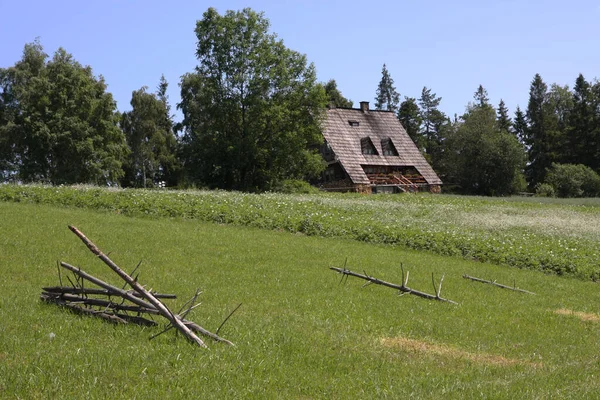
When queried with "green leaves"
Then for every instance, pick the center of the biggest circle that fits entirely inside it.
(58, 123)
(481, 158)
(149, 132)
(252, 110)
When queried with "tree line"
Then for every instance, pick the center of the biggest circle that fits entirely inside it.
(553, 147)
(252, 112)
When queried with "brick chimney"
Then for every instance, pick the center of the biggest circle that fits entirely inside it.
(364, 107)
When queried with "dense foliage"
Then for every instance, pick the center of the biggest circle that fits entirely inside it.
(57, 122)
(572, 180)
(551, 238)
(482, 158)
(148, 129)
(335, 97)
(253, 108)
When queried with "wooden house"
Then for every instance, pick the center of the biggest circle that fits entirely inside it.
(368, 151)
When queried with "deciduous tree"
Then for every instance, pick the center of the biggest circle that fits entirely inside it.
(410, 117)
(335, 97)
(58, 122)
(481, 158)
(149, 132)
(253, 109)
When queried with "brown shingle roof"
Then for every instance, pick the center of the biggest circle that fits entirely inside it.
(344, 140)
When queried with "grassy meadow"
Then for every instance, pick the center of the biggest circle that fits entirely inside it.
(300, 333)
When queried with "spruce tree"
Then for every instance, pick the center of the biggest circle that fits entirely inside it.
(502, 119)
(435, 123)
(387, 98)
(481, 97)
(536, 138)
(581, 133)
(519, 125)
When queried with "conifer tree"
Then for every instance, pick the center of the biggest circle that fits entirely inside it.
(481, 97)
(387, 98)
(519, 125)
(582, 140)
(434, 125)
(536, 137)
(502, 118)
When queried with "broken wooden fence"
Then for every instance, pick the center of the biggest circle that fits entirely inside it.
(115, 304)
(403, 288)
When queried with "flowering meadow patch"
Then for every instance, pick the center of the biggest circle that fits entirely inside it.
(552, 237)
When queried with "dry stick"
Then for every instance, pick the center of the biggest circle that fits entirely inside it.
(496, 284)
(229, 316)
(100, 302)
(84, 310)
(164, 311)
(103, 292)
(59, 275)
(135, 299)
(112, 317)
(401, 288)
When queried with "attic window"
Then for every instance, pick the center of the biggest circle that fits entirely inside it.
(367, 147)
(353, 122)
(388, 148)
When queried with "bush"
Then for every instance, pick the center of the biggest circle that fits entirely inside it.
(573, 180)
(545, 190)
(292, 186)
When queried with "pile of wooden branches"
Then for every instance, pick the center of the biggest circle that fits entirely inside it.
(123, 306)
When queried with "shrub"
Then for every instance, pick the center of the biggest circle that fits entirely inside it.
(295, 186)
(573, 180)
(545, 190)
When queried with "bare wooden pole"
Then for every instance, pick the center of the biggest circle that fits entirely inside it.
(102, 292)
(164, 310)
(112, 289)
(402, 288)
(514, 288)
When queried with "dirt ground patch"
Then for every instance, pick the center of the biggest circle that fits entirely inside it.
(422, 347)
(581, 315)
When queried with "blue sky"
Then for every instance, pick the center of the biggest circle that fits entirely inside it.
(449, 46)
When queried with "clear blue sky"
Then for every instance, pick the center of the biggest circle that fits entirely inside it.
(449, 46)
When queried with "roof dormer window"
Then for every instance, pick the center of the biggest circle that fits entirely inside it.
(388, 148)
(367, 147)
(353, 122)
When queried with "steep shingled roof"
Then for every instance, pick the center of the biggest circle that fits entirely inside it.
(345, 141)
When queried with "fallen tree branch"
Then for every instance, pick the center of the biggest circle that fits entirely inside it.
(402, 288)
(514, 288)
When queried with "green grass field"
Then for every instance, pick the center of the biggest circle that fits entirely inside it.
(299, 333)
